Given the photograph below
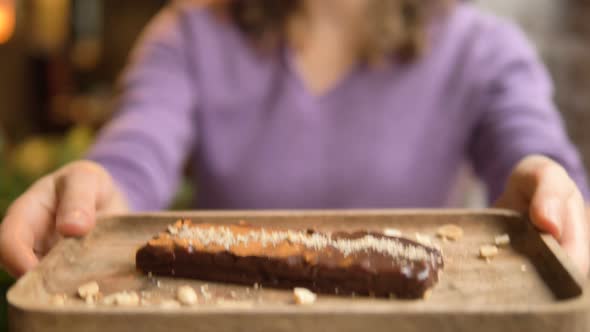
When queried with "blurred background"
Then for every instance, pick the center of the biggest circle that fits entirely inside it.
(59, 60)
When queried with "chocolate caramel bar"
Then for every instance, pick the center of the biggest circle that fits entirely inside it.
(361, 262)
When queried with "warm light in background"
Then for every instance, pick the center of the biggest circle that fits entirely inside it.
(7, 20)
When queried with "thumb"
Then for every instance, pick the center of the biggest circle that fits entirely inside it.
(79, 193)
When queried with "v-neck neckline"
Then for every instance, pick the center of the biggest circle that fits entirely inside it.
(333, 89)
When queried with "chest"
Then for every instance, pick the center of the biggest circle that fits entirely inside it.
(373, 135)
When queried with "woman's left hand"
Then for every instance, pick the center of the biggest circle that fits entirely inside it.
(542, 188)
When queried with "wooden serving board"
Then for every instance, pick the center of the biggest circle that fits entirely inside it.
(529, 286)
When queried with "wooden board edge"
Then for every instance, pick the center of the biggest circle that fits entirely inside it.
(317, 213)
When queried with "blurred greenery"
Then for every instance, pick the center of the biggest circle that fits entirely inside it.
(24, 163)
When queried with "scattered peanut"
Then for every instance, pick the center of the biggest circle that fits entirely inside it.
(122, 299)
(205, 292)
(59, 300)
(502, 240)
(304, 296)
(90, 300)
(488, 251)
(450, 232)
(186, 295)
(89, 292)
(392, 232)
(169, 304)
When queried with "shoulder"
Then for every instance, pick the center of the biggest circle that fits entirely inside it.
(186, 19)
(484, 37)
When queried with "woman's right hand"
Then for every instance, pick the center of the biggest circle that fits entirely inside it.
(64, 203)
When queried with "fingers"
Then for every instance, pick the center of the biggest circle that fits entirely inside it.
(554, 203)
(17, 257)
(29, 217)
(539, 186)
(549, 207)
(574, 238)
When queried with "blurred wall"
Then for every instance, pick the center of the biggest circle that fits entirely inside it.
(20, 109)
(14, 81)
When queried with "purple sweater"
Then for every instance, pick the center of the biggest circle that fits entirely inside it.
(382, 137)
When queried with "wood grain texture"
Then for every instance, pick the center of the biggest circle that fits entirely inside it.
(472, 294)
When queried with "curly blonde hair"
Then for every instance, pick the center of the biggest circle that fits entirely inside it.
(393, 28)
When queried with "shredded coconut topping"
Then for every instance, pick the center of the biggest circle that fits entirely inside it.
(224, 237)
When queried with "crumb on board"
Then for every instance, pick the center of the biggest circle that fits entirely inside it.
(502, 240)
(59, 300)
(304, 296)
(488, 251)
(205, 292)
(122, 299)
(450, 232)
(392, 232)
(523, 268)
(89, 292)
(170, 304)
(186, 295)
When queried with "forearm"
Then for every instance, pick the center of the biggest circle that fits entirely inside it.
(145, 146)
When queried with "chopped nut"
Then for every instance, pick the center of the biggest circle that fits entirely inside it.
(304, 296)
(186, 295)
(256, 285)
(523, 268)
(450, 232)
(89, 291)
(502, 240)
(58, 300)
(172, 230)
(205, 292)
(423, 239)
(392, 232)
(427, 294)
(169, 304)
(90, 300)
(122, 299)
(488, 251)
(233, 294)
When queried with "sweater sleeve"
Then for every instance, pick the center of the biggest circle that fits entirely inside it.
(516, 113)
(145, 145)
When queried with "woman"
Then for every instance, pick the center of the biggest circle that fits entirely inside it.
(319, 104)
